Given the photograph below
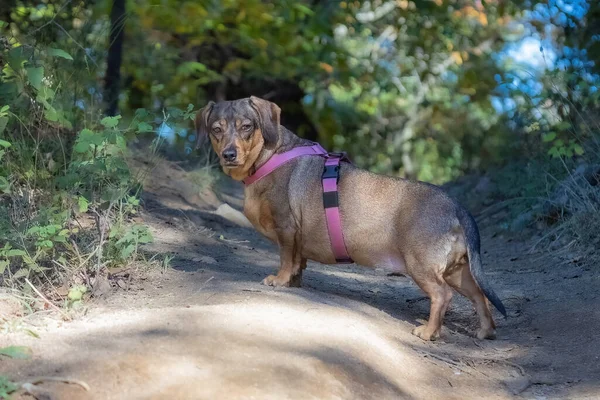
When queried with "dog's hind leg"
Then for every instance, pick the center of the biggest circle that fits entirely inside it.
(460, 278)
(291, 262)
(440, 295)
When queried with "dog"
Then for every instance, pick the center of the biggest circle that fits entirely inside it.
(403, 226)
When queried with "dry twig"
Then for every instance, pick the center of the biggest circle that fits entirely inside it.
(54, 306)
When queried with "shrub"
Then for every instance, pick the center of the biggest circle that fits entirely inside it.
(67, 195)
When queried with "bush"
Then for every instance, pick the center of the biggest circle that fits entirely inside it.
(67, 194)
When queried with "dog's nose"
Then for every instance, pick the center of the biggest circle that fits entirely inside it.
(229, 154)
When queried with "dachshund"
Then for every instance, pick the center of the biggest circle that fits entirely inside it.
(402, 226)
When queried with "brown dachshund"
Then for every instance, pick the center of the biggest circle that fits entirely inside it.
(402, 226)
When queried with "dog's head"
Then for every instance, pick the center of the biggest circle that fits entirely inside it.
(238, 131)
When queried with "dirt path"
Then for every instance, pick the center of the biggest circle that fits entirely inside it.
(206, 329)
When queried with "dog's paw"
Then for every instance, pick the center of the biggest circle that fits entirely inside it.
(423, 333)
(275, 281)
(486, 333)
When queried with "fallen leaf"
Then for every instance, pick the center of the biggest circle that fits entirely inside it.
(17, 352)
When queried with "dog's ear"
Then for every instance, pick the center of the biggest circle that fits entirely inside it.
(201, 123)
(269, 115)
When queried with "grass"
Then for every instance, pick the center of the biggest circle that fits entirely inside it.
(555, 199)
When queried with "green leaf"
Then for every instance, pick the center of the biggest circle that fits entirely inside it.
(82, 204)
(29, 261)
(45, 95)
(144, 127)
(4, 185)
(15, 253)
(35, 76)
(51, 114)
(303, 9)
(81, 147)
(110, 122)
(548, 137)
(3, 123)
(157, 88)
(86, 134)
(3, 265)
(175, 112)
(553, 152)
(191, 67)
(4, 143)
(17, 352)
(60, 239)
(22, 273)
(141, 113)
(59, 53)
(568, 152)
(7, 387)
(126, 252)
(16, 57)
(9, 90)
(7, 107)
(76, 292)
(578, 149)
(37, 268)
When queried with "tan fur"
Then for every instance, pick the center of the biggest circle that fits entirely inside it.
(250, 152)
(402, 226)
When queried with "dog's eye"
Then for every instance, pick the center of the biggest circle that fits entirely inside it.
(216, 129)
(246, 128)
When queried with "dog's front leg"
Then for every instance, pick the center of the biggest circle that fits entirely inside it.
(296, 280)
(291, 263)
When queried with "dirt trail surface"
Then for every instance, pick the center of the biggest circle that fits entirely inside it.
(207, 329)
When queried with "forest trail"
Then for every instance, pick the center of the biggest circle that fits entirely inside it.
(207, 329)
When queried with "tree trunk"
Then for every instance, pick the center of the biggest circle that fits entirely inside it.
(115, 57)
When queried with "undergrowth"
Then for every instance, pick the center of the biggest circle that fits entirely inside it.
(68, 199)
(558, 197)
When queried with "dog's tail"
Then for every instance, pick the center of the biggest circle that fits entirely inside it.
(473, 244)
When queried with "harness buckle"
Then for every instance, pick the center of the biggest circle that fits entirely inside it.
(331, 171)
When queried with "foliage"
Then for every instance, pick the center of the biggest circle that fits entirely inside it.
(414, 82)
(235, 41)
(7, 387)
(387, 76)
(67, 193)
(16, 352)
(125, 242)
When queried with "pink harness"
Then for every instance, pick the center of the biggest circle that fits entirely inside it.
(330, 177)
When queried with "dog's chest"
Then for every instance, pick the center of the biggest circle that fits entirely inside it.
(259, 214)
